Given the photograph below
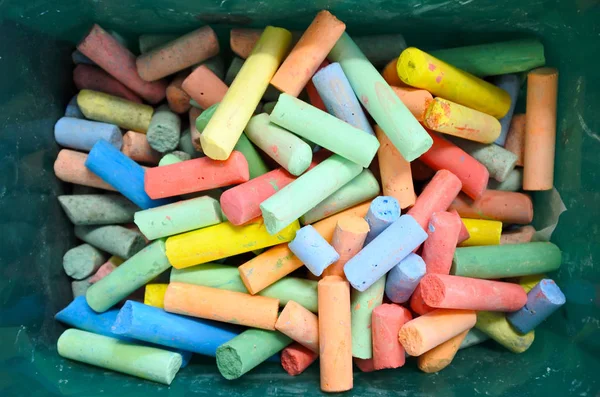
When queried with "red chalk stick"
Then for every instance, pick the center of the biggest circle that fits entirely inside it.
(436, 197)
(93, 78)
(455, 292)
(195, 176)
(364, 364)
(204, 87)
(438, 249)
(464, 232)
(296, 358)
(497, 205)
(386, 321)
(417, 304)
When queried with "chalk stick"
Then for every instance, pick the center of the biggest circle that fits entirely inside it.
(390, 74)
(242, 41)
(417, 304)
(438, 250)
(482, 232)
(442, 355)
(510, 83)
(233, 69)
(93, 78)
(137, 148)
(313, 250)
(296, 358)
(306, 191)
(495, 58)
(72, 109)
(114, 239)
(500, 261)
(335, 335)
(362, 304)
(186, 145)
(464, 233)
(70, 167)
(299, 324)
(154, 295)
(194, 114)
(528, 282)
(80, 287)
(177, 98)
(78, 58)
(225, 127)
(436, 197)
(365, 365)
(540, 129)
(543, 300)
(474, 337)
(383, 211)
(524, 234)
(82, 261)
(289, 151)
(148, 42)
(497, 327)
(394, 118)
(97, 209)
(361, 188)
(515, 140)
(416, 100)
(434, 328)
(114, 110)
(174, 157)
(512, 183)
(164, 130)
(404, 278)
(79, 315)
(499, 161)
(205, 87)
(386, 323)
(506, 207)
(348, 239)
(311, 91)
(214, 64)
(379, 48)
(454, 119)
(106, 268)
(83, 134)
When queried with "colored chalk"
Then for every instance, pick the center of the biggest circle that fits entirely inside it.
(438, 250)
(194, 116)
(114, 110)
(499, 161)
(313, 250)
(335, 335)
(154, 295)
(416, 100)
(324, 129)
(176, 55)
(247, 350)
(78, 58)
(296, 358)
(300, 325)
(383, 211)
(137, 148)
(394, 118)
(436, 197)
(528, 282)
(186, 145)
(114, 239)
(444, 291)
(244, 94)
(540, 129)
(269, 106)
(434, 328)
(364, 365)
(70, 167)
(93, 78)
(82, 261)
(474, 337)
(360, 189)
(482, 232)
(221, 305)
(442, 355)
(386, 323)
(242, 41)
(404, 278)
(379, 48)
(512, 183)
(497, 327)
(446, 155)
(457, 120)
(164, 130)
(311, 91)
(79, 315)
(148, 42)
(390, 75)
(464, 232)
(205, 87)
(97, 209)
(306, 191)
(362, 304)
(500, 261)
(214, 64)
(419, 69)
(233, 69)
(80, 287)
(348, 239)
(543, 300)
(174, 157)
(417, 304)
(515, 140)
(120, 63)
(83, 134)
(506, 207)
(289, 151)
(524, 234)
(110, 353)
(177, 98)
(510, 83)
(128, 277)
(72, 109)
(106, 268)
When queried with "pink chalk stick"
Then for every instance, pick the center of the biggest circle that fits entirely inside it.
(364, 364)
(464, 232)
(386, 321)
(93, 78)
(102, 272)
(436, 197)
(438, 249)
(296, 358)
(417, 304)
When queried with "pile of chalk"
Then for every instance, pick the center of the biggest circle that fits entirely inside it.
(301, 204)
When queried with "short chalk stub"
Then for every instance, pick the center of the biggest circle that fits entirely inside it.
(543, 300)
(404, 278)
(383, 211)
(313, 250)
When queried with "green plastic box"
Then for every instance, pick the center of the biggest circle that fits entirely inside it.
(36, 41)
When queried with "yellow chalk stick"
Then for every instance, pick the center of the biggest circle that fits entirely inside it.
(497, 327)
(528, 282)
(226, 125)
(482, 232)
(419, 69)
(154, 295)
(223, 240)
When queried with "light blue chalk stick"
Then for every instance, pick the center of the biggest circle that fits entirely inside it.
(383, 211)
(474, 337)
(511, 83)
(78, 57)
(383, 253)
(122, 173)
(73, 110)
(404, 278)
(83, 134)
(339, 98)
(543, 300)
(313, 250)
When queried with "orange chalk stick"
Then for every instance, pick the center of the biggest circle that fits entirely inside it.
(136, 147)
(194, 133)
(204, 87)
(441, 356)
(416, 100)
(93, 78)
(464, 232)
(442, 238)
(348, 239)
(390, 74)
(70, 167)
(300, 325)
(515, 140)
(335, 339)
(222, 305)
(195, 176)
(497, 205)
(242, 41)
(434, 328)
(306, 56)
(417, 304)
(296, 358)
(436, 197)
(178, 99)
(540, 129)
(521, 235)
(387, 319)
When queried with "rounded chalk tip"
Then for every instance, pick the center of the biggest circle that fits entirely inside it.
(385, 208)
(300, 159)
(233, 207)
(433, 290)
(552, 292)
(213, 149)
(411, 65)
(229, 362)
(412, 267)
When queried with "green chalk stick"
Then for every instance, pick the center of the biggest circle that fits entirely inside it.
(497, 327)
(308, 190)
(495, 58)
(512, 183)
(82, 261)
(113, 239)
(233, 69)
(256, 165)
(97, 209)
(80, 287)
(289, 151)
(128, 277)
(299, 290)
(375, 94)
(205, 116)
(247, 350)
(324, 129)
(145, 362)
(499, 161)
(164, 130)
(180, 217)
(511, 260)
(185, 144)
(381, 48)
(195, 104)
(182, 156)
(173, 157)
(268, 107)
(358, 190)
(148, 42)
(362, 305)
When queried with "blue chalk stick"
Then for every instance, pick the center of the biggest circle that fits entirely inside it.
(73, 110)
(383, 211)
(543, 300)
(83, 134)
(511, 84)
(122, 173)
(78, 57)
(313, 250)
(474, 337)
(404, 278)
(383, 253)
(339, 98)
